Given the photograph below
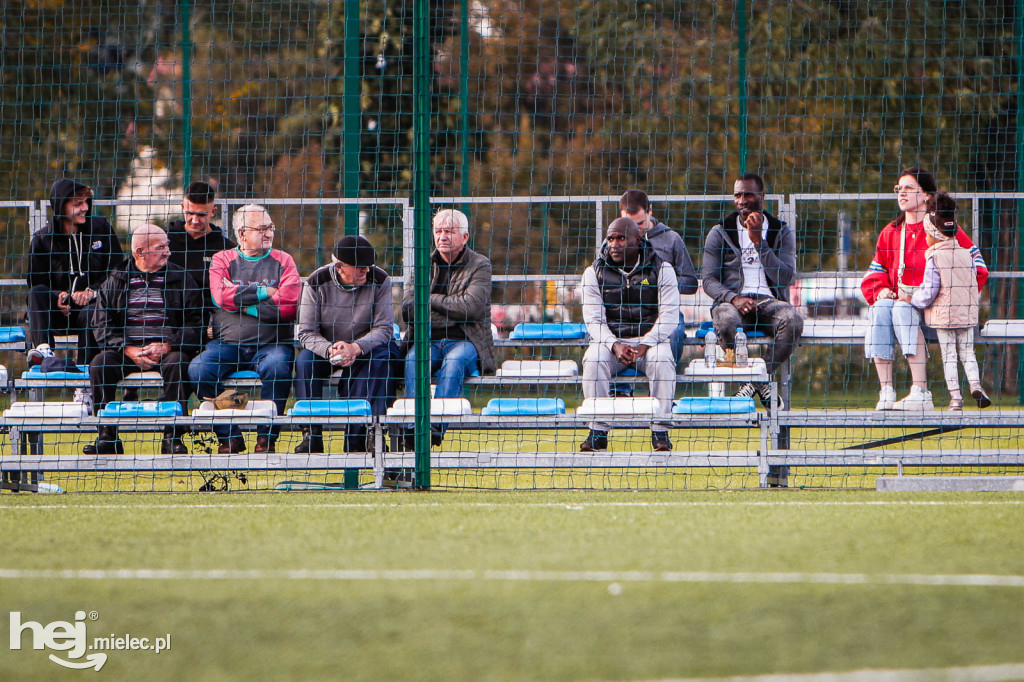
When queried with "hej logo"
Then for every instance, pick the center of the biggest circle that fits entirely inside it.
(60, 636)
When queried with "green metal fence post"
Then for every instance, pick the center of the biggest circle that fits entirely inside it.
(350, 115)
(185, 17)
(741, 11)
(421, 223)
(1018, 34)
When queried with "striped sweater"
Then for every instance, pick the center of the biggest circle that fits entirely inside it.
(247, 315)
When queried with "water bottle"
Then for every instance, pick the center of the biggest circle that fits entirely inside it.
(742, 354)
(710, 349)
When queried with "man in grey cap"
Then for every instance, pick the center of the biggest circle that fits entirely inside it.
(346, 322)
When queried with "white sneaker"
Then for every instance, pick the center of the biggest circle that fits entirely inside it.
(916, 401)
(38, 354)
(886, 398)
(84, 396)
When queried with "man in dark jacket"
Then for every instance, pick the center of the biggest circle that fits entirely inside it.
(68, 260)
(631, 308)
(460, 313)
(346, 322)
(748, 266)
(195, 239)
(147, 317)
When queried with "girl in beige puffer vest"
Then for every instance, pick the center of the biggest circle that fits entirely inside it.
(949, 297)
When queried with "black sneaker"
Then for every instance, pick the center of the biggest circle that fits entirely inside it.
(766, 394)
(597, 440)
(660, 441)
(763, 391)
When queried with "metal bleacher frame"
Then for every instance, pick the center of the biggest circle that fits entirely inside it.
(771, 459)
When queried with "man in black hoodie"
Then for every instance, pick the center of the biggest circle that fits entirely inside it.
(68, 260)
(195, 239)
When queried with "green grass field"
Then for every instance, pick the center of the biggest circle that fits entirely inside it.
(555, 585)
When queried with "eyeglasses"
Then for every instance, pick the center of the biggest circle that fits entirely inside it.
(906, 188)
(263, 229)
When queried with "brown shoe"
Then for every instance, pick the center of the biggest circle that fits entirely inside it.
(231, 446)
(264, 444)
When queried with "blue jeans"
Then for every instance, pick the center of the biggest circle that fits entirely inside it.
(450, 361)
(891, 321)
(372, 377)
(272, 362)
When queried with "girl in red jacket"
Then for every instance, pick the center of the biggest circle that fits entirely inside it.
(898, 268)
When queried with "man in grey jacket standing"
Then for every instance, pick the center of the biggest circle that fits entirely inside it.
(748, 266)
(460, 314)
(669, 246)
(346, 322)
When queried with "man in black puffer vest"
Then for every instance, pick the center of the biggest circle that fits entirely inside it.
(631, 308)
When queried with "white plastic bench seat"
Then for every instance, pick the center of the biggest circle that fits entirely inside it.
(533, 369)
(848, 330)
(444, 407)
(617, 407)
(52, 409)
(1003, 329)
(756, 370)
(255, 408)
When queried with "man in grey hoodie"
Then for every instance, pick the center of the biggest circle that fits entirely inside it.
(748, 266)
(346, 322)
(669, 246)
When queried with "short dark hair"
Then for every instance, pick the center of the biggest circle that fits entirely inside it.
(634, 201)
(923, 177)
(943, 209)
(200, 192)
(752, 177)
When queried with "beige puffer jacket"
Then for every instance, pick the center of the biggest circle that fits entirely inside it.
(956, 306)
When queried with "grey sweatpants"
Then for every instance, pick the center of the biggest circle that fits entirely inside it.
(658, 364)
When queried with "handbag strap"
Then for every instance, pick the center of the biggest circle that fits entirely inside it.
(903, 247)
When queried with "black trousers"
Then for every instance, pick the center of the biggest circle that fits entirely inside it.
(45, 318)
(110, 366)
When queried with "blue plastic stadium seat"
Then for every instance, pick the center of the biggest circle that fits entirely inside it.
(397, 331)
(244, 374)
(144, 408)
(12, 335)
(723, 405)
(705, 327)
(497, 407)
(35, 373)
(549, 331)
(330, 408)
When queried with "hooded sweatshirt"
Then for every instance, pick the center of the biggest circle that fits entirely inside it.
(196, 256)
(671, 249)
(75, 262)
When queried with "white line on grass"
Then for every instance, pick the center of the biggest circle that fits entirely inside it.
(974, 673)
(398, 575)
(573, 506)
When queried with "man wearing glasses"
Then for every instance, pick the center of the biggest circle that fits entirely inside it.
(256, 290)
(195, 239)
